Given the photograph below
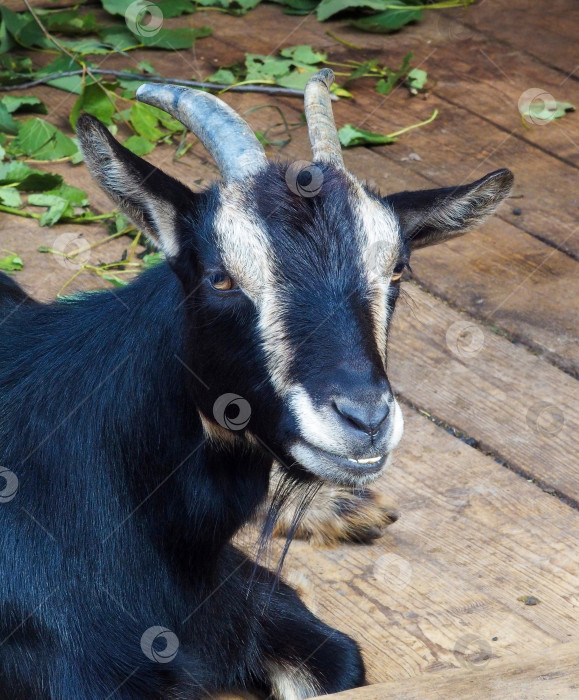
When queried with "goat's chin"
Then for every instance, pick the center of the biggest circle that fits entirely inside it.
(336, 469)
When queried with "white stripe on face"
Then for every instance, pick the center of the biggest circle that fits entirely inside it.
(249, 258)
(378, 238)
(319, 426)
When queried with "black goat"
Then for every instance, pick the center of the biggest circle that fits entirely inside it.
(127, 468)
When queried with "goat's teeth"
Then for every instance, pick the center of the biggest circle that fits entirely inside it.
(368, 460)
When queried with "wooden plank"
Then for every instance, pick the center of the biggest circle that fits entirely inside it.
(488, 78)
(551, 673)
(472, 539)
(547, 31)
(510, 401)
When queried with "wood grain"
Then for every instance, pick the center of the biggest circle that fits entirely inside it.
(509, 400)
(546, 31)
(552, 673)
(472, 539)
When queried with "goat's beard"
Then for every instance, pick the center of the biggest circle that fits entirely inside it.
(288, 491)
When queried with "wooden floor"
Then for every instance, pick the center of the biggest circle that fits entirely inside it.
(484, 354)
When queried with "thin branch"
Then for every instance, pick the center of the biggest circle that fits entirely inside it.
(63, 49)
(267, 89)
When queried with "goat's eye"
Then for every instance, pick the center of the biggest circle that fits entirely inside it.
(397, 273)
(222, 282)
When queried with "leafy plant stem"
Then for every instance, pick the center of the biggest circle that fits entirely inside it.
(431, 118)
(343, 41)
(19, 212)
(99, 243)
(63, 49)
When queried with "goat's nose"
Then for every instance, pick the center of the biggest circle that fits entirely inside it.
(367, 417)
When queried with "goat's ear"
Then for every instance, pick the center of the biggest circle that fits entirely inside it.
(428, 217)
(149, 197)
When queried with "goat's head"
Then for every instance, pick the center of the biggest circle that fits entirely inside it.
(290, 276)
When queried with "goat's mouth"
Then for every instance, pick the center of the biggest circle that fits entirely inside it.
(352, 471)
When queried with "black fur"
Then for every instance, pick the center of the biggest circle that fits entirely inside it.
(123, 516)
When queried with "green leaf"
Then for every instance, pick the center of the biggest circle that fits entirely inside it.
(121, 223)
(24, 103)
(152, 259)
(231, 5)
(222, 76)
(11, 263)
(73, 195)
(366, 67)
(146, 67)
(86, 47)
(175, 8)
(138, 145)
(145, 122)
(304, 54)
(26, 178)
(416, 78)
(328, 8)
(266, 68)
(119, 38)
(547, 111)
(10, 197)
(13, 68)
(297, 78)
(69, 22)
(385, 85)
(41, 140)
(62, 64)
(388, 21)
(352, 136)
(116, 7)
(116, 281)
(96, 101)
(167, 8)
(58, 207)
(298, 7)
(167, 121)
(340, 92)
(21, 28)
(7, 124)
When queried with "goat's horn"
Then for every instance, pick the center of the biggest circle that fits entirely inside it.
(227, 137)
(321, 125)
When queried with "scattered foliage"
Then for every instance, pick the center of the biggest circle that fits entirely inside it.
(74, 36)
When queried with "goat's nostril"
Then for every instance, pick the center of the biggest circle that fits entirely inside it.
(365, 417)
